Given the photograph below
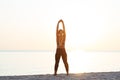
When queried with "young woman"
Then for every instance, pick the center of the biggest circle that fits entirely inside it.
(60, 51)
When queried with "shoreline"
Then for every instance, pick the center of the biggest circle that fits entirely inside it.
(60, 73)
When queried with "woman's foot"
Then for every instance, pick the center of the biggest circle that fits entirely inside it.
(55, 74)
(67, 73)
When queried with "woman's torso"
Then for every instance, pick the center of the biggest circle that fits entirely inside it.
(60, 40)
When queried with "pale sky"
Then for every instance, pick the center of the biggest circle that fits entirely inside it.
(31, 24)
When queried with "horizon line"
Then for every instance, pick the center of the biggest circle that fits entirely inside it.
(55, 50)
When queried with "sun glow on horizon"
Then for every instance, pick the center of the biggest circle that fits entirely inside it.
(82, 61)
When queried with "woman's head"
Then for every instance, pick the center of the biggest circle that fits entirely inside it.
(60, 31)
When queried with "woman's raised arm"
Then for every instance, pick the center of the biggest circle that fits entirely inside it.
(58, 27)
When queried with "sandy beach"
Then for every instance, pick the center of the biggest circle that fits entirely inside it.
(80, 76)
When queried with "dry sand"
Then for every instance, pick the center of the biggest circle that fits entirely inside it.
(81, 76)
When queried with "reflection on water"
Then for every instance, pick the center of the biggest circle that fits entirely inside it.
(27, 63)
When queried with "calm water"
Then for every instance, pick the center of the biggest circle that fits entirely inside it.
(27, 63)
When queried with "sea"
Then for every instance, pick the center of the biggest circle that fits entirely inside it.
(42, 62)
